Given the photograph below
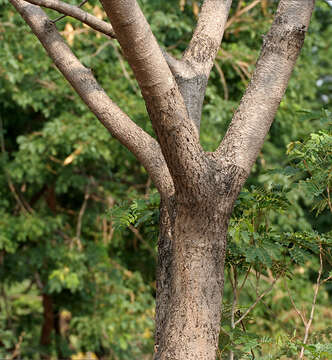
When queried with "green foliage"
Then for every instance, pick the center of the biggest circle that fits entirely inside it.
(314, 158)
(257, 249)
(138, 212)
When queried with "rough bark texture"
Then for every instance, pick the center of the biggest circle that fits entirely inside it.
(192, 246)
(197, 189)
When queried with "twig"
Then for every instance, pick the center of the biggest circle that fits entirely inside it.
(318, 283)
(235, 299)
(294, 305)
(140, 237)
(222, 79)
(238, 70)
(80, 217)
(251, 350)
(241, 12)
(245, 279)
(39, 283)
(256, 302)
(124, 70)
(147, 186)
(17, 350)
(325, 280)
(101, 48)
(329, 197)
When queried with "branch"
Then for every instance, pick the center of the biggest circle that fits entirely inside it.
(192, 72)
(177, 134)
(234, 304)
(80, 218)
(222, 80)
(139, 46)
(63, 16)
(252, 120)
(191, 85)
(141, 238)
(77, 13)
(83, 16)
(298, 312)
(260, 297)
(142, 145)
(207, 36)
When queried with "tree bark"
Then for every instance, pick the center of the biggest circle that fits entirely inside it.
(188, 302)
(190, 278)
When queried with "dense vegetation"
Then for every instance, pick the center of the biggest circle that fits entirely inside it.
(79, 216)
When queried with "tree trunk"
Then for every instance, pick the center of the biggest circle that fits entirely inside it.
(190, 278)
(192, 248)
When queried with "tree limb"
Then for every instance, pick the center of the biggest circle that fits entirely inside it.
(192, 72)
(77, 13)
(240, 12)
(177, 134)
(63, 16)
(207, 36)
(256, 112)
(139, 46)
(142, 145)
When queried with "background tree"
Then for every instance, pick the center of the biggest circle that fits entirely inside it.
(74, 155)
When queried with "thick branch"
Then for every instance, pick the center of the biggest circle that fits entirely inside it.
(77, 13)
(143, 146)
(192, 72)
(207, 37)
(139, 46)
(176, 133)
(281, 47)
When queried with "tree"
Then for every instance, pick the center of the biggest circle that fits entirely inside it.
(197, 188)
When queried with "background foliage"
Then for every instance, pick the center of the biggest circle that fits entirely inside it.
(79, 215)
